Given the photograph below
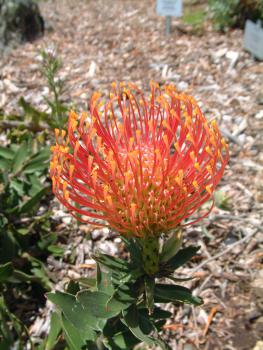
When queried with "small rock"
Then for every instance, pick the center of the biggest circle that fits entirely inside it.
(202, 317)
(92, 69)
(182, 85)
(233, 57)
(108, 247)
(100, 232)
(188, 347)
(259, 115)
(259, 345)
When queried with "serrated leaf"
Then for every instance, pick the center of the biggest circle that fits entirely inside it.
(54, 330)
(123, 341)
(100, 304)
(166, 293)
(73, 311)
(75, 337)
(104, 281)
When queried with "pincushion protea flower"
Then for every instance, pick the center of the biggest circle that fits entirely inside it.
(141, 164)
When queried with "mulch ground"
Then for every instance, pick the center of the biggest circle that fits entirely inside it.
(106, 40)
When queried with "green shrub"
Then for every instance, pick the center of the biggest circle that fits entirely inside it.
(26, 237)
(234, 13)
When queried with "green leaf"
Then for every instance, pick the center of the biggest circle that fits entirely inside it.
(4, 164)
(171, 246)
(74, 311)
(166, 293)
(39, 162)
(125, 293)
(134, 250)
(100, 304)
(75, 337)
(55, 329)
(131, 320)
(20, 157)
(6, 153)
(56, 250)
(157, 313)
(123, 341)
(104, 281)
(18, 186)
(6, 271)
(34, 201)
(149, 292)
(182, 257)
(112, 263)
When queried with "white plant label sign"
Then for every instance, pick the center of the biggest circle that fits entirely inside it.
(253, 39)
(169, 8)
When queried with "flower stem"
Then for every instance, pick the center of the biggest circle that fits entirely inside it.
(150, 255)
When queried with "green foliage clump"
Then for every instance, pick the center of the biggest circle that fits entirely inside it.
(117, 309)
(234, 13)
(26, 237)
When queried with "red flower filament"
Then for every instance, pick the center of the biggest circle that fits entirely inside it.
(142, 164)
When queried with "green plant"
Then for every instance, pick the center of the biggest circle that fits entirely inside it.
(26, 237)
(50, 68)
(23, 229)
(233, 13)
(33, 122)
(116, 310)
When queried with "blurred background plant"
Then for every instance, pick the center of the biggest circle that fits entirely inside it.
(26, 237)
(233, 13)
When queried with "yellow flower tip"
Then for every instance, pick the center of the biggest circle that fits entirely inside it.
(195, 184)
(197, 166)
(57, 131)
(209, 169)
(133, 209)
(73, 115)
(192, 155)
(177, 147)
(66, 195)
(223, 143)
(71, 171)
(209, 189)
(208, 150)
(64, 185)
(109, 200)
(165, 140)
(189, 138)
(214, 124)
(114, 84)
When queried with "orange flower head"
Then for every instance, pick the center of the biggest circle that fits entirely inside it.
(142, 164)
